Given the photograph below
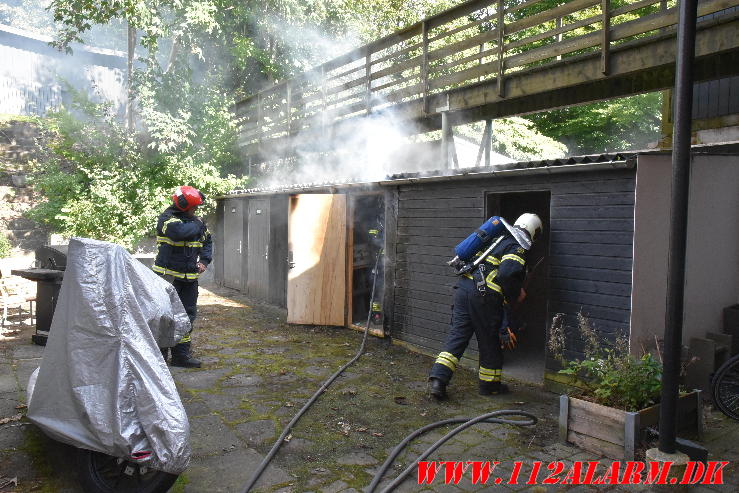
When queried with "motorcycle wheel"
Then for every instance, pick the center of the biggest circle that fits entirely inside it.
(101, 473)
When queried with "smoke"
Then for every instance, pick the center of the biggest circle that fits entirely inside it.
(310, 45)
(365, 150)
(357, 149)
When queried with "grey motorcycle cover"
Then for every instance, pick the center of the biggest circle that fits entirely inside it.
(103, 384)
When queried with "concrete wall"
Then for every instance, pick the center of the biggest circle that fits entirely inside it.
(651, 233)
(32, 73)
(712, 270)
(712, 275)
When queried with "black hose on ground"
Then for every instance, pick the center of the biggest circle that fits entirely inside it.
(466, 423)
(268, 458)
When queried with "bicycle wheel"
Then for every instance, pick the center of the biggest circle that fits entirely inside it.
(725, 388)
(101, 473)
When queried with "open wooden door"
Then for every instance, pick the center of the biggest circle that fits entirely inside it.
(316, 281)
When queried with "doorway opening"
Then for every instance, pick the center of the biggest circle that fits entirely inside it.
(366, 239)
(527, 361)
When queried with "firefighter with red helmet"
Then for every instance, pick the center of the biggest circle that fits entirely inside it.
(184, 250)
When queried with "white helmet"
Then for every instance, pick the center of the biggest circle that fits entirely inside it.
(529, 223)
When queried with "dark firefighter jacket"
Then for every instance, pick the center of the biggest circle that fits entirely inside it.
(182, 242)
(505, 268)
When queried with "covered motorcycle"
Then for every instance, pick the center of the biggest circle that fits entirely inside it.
(103, 385)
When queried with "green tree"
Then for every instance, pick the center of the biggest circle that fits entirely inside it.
(616, 125)
(104, 182)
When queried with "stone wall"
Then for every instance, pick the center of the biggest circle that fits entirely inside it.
(19, 144)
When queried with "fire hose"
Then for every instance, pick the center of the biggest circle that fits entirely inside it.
(492, 417)
(268, 458)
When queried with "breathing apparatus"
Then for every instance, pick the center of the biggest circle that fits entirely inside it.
(492, 231)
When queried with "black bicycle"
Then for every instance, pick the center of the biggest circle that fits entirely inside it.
(725, 388)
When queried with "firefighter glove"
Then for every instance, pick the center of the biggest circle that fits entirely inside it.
(508, 339)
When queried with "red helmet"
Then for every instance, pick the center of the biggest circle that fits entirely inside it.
(186, 197)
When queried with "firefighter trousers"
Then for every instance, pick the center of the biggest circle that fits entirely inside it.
(481, 316)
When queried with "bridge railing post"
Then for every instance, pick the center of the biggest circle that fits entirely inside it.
(501, 48)
(288, 108)
(606, 39)
(323, 98)
(368, 81)
(425, 65)
(558, 37)
(259, 120)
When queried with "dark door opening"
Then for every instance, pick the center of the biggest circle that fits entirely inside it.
(367, 238)
(527, 361)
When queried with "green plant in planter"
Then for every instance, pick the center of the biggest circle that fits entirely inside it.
(608, 374)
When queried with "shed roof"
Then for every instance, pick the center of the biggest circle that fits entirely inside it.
(613, 160)
(568, 164)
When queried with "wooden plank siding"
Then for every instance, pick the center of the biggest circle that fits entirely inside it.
(590, 251)
(716, 98)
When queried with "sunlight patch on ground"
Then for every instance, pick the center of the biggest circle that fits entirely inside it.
(208, 298)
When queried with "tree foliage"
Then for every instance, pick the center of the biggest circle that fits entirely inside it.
(616, 125)
(104, 182)
(5, 246)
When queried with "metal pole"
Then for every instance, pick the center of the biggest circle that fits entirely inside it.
(488, 136)
(678, 224)
(445, 164)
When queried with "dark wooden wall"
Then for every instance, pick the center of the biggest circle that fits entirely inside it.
(591, 237)
(218, 244)
(278, 210)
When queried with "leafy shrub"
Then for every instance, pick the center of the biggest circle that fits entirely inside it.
(104, 182)
(5, 247)
(608, 375)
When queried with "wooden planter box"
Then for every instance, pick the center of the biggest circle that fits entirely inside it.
(615, 433)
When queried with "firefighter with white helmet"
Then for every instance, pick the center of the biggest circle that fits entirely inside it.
(486, 288)
(184, 250)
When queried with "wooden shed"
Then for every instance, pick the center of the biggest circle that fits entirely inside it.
(603, 252)
(309, 248)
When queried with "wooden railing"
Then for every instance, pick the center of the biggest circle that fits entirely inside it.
(480, 41)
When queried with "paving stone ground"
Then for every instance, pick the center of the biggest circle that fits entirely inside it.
(259, 372)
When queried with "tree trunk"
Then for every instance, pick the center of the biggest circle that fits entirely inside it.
(129, 67)
(172, 54)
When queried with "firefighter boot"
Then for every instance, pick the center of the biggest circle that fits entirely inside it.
(493, 388)
(181, 356)
(437, 388)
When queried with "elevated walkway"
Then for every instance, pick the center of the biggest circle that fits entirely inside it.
(489, 59)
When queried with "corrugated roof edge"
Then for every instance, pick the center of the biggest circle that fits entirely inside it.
(566, 164)
(520, 165)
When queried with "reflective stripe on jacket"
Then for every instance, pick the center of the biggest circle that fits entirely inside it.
(506, 268)
(182, 242)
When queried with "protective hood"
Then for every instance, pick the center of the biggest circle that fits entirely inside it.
(518, 234)
(103, 384)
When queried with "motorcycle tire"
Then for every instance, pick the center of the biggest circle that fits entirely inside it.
(725, 388)
(101, 473)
